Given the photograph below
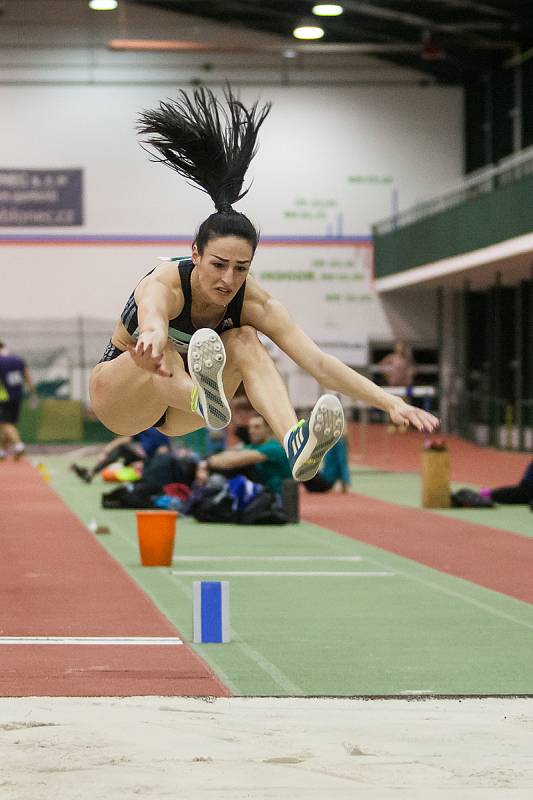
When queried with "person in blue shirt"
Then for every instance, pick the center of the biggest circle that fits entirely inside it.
(14, 376)
(128, 449)
(334, 468)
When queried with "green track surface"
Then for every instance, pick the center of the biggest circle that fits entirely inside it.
(416, 631)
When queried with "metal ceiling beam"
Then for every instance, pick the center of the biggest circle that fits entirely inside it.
(483, 8)
(466, 53)
(410, 20)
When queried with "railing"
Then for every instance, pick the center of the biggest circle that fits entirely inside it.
(509, 169)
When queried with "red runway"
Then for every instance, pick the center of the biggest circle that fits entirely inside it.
(492, 558)
(56, 580)
(376, 447)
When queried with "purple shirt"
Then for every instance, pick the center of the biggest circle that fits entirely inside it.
(12, 375)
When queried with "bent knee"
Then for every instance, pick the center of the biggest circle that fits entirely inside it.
(240, 339)
(110, 405)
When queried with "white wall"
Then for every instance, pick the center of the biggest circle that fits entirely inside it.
(350, 138)
(312, 143)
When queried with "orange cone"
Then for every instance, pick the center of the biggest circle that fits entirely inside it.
(156, 531)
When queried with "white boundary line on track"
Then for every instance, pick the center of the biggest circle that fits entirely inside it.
(270, 669)
(402, 573)
(142, 641)
(266, 558)
(287, 574)
(278, 677)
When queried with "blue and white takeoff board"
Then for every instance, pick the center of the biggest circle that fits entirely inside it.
(211, 619)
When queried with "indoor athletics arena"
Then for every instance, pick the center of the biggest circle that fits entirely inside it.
(266, 399)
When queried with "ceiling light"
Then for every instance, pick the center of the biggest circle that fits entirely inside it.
(327, 10)
(308, 30)
(103, 5)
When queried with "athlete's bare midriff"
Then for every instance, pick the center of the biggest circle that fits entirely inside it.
(121, 338)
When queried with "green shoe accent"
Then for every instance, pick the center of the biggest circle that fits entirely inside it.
(194, 399)
(298, 425)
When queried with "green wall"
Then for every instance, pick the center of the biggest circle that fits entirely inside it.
(488, 219)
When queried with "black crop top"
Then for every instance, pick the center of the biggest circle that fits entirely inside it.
(181, 328)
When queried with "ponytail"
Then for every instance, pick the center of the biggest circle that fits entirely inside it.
(208, 144)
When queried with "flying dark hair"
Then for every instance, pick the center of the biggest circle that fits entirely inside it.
(212, 147)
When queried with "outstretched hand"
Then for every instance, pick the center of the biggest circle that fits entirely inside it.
(404, 414)
(148, 354)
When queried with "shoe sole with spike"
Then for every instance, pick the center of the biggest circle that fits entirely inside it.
(206, 359)
(326, 425)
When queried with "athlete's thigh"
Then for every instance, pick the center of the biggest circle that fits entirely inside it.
(124, 398)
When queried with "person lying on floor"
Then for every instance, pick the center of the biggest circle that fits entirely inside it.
(521, 492)
(128, 449)
(263, 460)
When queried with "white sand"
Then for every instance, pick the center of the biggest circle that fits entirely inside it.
(157, 747)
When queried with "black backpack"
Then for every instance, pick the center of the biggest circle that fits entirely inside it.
(129, 495)
(214, 502)
(468, 498)
(264, 509)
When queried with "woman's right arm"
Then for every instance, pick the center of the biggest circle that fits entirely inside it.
(158, 301)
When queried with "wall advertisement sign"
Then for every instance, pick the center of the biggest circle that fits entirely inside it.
(41, 198)
(328, 291)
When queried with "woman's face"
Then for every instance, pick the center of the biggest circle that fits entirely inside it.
(223, 267)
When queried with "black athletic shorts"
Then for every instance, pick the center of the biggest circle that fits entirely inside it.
(111, 352)
(10, 411)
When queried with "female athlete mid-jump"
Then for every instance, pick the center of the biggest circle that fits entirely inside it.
(188, 337)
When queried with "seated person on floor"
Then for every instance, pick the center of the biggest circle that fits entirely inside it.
(128, 449)
(241, 412)
(334, 468)
(172, 466)
(263, 460)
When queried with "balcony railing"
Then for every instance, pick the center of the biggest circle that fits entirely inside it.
(483, 181)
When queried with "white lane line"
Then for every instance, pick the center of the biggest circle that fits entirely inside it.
(267, 558)
(143, 641)
(278, 677)
(403, 573)
(268, 574)
(470, 600)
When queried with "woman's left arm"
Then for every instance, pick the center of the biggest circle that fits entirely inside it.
(270, 317)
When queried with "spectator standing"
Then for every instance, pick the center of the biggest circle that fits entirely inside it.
(14, 375)
(399, 366)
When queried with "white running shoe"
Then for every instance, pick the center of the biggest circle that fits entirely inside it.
(308, 442)
(206, 358)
